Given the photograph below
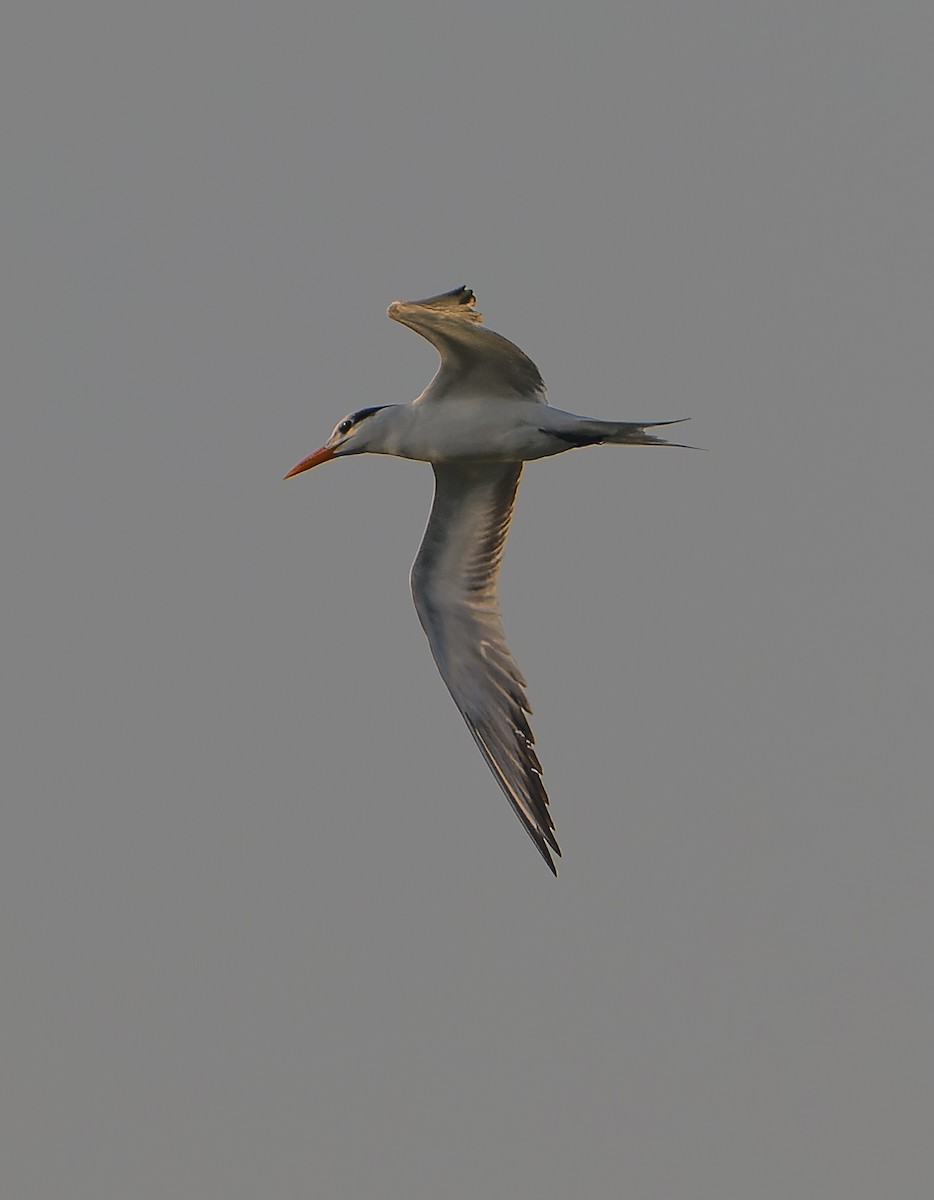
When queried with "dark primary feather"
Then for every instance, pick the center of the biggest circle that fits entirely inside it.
(454, 588)
(473, 359)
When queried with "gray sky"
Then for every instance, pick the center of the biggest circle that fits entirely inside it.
(269, 928)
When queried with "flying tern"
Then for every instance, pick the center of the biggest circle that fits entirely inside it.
(481, 417)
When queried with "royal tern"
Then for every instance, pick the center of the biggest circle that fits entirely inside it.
(482, 416)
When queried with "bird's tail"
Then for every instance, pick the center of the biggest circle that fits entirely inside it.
(632, 433)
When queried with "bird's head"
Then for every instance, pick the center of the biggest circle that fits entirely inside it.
(353, 435)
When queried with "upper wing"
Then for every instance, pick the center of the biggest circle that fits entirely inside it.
(473, 359)
(454, 586)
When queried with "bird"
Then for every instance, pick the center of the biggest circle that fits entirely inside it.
(480, 419)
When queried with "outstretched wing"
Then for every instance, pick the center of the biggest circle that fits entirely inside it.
(454, 587)
(474, 360)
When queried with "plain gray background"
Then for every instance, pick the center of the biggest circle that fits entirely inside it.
(269, 928)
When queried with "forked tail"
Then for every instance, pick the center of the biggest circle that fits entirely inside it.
(632, 433)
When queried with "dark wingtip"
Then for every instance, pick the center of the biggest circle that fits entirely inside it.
(543, 849)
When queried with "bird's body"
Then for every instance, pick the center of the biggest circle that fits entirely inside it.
(482, 416)
(474, 429)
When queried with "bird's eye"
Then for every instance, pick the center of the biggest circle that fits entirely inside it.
(345, 426)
